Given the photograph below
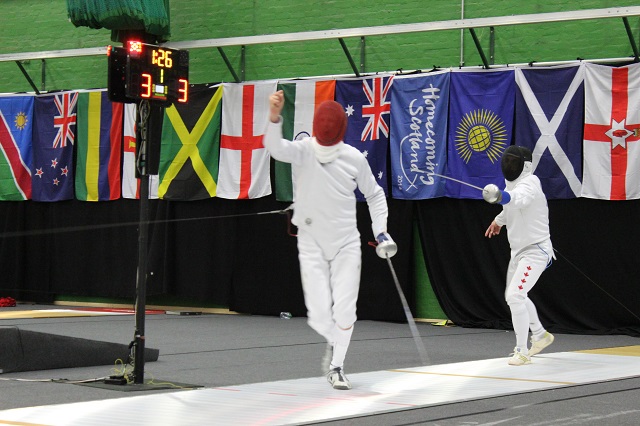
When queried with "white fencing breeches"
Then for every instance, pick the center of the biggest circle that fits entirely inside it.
(525, 267)
(330, 286)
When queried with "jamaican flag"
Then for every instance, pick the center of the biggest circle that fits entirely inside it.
(190, 143)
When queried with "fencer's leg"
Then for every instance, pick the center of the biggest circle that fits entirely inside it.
(314, 271)
(342, 338)
(528, 268)
(345, 282)
(537, 330)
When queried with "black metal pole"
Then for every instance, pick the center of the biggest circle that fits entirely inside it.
(141, 280)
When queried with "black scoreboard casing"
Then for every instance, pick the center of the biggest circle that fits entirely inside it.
(141, 71)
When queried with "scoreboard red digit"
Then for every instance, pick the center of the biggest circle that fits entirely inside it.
(144, 71)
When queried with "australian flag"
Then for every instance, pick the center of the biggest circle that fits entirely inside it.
(54, 132)
(367, 103)
(549, 117)
(480, 129)
(419, 110)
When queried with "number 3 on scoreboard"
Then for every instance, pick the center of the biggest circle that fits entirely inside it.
(183, 85)
(145, 86)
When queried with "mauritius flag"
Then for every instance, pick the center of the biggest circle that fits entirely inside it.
(99, 145)
(16, 118)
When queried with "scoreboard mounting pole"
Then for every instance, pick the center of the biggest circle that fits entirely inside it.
(153, 77)
(144, 110)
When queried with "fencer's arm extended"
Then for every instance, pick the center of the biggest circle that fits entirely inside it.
(374, 194)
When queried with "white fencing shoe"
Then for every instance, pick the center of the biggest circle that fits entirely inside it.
(539, 345)
(337, 379)
(519, 357)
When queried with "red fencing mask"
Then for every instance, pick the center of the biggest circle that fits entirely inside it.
(329, 123)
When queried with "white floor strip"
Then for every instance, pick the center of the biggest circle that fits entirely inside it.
(310, 400)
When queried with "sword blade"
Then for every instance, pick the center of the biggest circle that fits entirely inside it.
(459, 181)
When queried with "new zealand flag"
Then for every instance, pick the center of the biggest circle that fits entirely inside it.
(54, 133)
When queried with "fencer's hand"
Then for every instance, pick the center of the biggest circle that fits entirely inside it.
(493, 229)
(386, 246)
(276, 103)
(492, 194)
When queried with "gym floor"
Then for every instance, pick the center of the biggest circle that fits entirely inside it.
(239, 369)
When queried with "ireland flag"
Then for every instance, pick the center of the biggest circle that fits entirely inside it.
(301, 100)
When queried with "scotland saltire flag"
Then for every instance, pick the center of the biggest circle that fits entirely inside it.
(480, 129)
(367, 103)
(54, 133)
(549, 108)
(419, 112)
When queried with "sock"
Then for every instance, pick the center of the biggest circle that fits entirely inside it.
(520, 320)
(342, 338)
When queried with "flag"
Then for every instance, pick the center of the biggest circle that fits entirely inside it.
(244, 162)
(189, 150)
(367, 103)
(99, 145)
(301, 100)
(549, 108)
(480, 129)
(54, 133)
(419, 113)
(611, 132)
(16, 121)
(130, 183)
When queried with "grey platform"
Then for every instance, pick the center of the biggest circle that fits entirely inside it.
(264, 370)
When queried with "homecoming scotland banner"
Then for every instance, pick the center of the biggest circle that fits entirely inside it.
(419, 112)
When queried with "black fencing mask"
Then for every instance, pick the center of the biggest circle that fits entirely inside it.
(513, 160)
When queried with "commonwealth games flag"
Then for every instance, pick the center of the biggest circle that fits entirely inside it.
(612, 132)
(419, 112)
(549, 108)
(189, 150)
(99, 145)
(54, 133)
(480, 126)
(301, 100)
(244, 161)
(16, 119)
(367, 103)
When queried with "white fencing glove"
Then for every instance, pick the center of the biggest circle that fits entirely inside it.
(386, 246)
(492, 194)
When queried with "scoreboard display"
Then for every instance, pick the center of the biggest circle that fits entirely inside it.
(141, 71)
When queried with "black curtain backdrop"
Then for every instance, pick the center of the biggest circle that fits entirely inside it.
(592, 287)
(213, 251)
(222, 252)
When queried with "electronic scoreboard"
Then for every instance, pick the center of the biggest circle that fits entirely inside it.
(141, 71)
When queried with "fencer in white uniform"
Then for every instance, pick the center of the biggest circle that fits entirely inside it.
(326, 172)
(526, 215)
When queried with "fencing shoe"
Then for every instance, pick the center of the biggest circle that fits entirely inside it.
(519, 357)
(538, 345)
(326, 359)
(338, 380)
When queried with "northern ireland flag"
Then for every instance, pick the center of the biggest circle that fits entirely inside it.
(612, 132)
(130, 183)
(301, 100)
(244, 162)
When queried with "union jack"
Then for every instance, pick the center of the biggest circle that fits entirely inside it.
(65, 104)
(378, 106)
